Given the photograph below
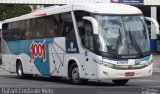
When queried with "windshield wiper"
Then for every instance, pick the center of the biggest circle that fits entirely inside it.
(134, 42)
(119, 39)
(112, 51)
(119, 42)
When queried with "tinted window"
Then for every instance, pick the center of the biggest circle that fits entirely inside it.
(38, 28)
(58, 25)
(51, 26)
(67, 26)
(15, 30)
(5, 31)
(27, 28)
(88, 36)
(85, 29)
(12, 31)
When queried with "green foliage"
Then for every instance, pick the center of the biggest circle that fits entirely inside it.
(10, 11)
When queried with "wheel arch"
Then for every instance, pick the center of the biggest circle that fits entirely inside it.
(70, 62)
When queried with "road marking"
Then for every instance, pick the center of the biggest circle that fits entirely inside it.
(119, 93)
(150, 80)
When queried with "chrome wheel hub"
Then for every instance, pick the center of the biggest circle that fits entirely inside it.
(20, 70)
(75, 74)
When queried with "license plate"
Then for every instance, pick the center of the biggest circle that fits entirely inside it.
(122, 63)
(129, 74)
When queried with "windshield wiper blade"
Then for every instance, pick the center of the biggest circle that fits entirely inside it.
(112, 51)
(119, 42)
(134, 42)
(119, 38)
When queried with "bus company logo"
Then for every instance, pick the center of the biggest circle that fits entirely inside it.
(38, 50)
(138, 61)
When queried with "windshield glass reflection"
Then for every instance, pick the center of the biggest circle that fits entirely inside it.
(123, 35)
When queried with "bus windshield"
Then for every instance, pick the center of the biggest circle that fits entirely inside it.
(123, 35)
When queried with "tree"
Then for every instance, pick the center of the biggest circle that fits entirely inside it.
(10, 11)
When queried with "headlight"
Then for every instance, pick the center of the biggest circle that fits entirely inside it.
(148, 63)
(108, 65)
(104, 63)
(98, 61)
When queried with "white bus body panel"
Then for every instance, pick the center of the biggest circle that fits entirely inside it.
(56, 57)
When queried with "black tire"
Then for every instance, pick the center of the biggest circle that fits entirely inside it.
(120, 82)
(19, 70)
(74, 75)
(20, 73)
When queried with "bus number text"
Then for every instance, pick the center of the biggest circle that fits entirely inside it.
(38, 50)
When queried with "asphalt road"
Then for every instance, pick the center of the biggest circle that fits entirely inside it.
(10, 84)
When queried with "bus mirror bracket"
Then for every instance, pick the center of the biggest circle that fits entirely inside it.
(94, 23)
(156, 25)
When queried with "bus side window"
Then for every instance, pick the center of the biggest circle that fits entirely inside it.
(5, 31)
(67, 26)
(88, 35)
(15, 30)
(26, 29)
(67, 29)
(38, 28)
(81, 25)
(51, 26)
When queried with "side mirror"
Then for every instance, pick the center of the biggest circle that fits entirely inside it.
(156, 25)
(94, 23)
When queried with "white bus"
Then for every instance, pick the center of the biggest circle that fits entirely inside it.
(94, 41)
(0, 39)
(1, 28)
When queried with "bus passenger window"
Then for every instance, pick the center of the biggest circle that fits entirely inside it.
(51, 26)
(39, 28)
(27, 28)
(67, 29)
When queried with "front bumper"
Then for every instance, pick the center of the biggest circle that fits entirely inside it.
(105, 73)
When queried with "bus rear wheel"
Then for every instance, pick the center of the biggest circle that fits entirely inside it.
(120, 82)
(20, 70)
(20, 73)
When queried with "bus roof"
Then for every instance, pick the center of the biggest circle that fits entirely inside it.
(108, 8)
(97, 8)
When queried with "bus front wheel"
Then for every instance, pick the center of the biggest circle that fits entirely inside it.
(74, 74)
(120, 82)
